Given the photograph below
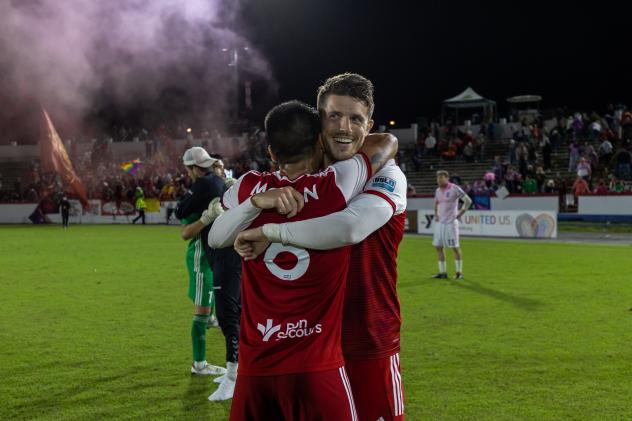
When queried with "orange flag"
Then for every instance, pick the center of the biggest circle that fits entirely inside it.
(53, 157)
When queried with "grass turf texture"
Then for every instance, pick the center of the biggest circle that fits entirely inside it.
(96, 325)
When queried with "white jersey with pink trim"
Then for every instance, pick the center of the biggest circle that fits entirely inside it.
(448, 200)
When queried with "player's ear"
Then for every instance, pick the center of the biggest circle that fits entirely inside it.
(369, 125)
(272, 155)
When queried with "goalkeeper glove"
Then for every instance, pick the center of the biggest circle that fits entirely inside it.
(214, 210)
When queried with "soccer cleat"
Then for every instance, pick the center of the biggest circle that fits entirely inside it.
(440, 276)
(208, 370)
(224, 391)
(219, 379)
(458, 275)
(212, 322)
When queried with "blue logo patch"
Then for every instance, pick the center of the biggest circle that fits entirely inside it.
(384, 183)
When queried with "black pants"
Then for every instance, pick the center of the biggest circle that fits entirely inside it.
(64, 218)
(141, 214)
(226, 265)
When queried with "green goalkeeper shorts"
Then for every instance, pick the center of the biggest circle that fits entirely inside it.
(200, 274)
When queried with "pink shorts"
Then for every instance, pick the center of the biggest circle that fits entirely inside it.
(377, 388)
(323, 395)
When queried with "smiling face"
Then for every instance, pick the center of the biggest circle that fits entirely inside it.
(345, 124)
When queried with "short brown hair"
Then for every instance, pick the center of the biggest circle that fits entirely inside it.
(347, 84)
(443, 172)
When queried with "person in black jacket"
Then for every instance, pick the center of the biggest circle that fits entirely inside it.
(204, 199)
(191, 209)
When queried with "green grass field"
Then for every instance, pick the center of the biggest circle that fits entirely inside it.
(95, 324)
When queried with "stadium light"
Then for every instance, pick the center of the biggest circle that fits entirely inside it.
(234, 63)
(391, 123)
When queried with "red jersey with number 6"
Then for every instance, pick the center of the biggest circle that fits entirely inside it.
(292, 298)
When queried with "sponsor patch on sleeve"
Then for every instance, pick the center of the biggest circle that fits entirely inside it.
(385, 183)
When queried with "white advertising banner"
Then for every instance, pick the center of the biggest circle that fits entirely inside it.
(518, 224)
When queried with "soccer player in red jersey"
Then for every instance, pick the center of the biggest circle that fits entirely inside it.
(291, 363)
(371, 322)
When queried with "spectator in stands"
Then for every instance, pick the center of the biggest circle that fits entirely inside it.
(545, 149)
(584, 169)
(573, 156)
(540, 178)
(531, 155)
(549, 186)
(490, 180)
(601, 188)
(580, 186)
(512, 179)
(605, 152)
(616, 185)
(468, 152)
(430, 144)
(522, 153)
(622, 160)
(595, 129)
(481, 143)
(456, 179)
(498, 168)
(591, 155)
(410, 190)
(556, 136)
(418, 154)
(577, 126)
(450, 153)
(626, 127)
(512, 151)
(529, 185)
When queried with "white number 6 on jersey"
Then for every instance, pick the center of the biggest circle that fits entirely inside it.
(292, 274)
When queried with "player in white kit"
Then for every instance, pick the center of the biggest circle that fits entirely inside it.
(446, 227)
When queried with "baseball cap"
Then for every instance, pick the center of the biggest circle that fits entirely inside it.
(198, 156)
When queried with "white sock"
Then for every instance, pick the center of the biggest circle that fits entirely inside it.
(231, 370)
(199, 364)
(459, 265)
(442, 268)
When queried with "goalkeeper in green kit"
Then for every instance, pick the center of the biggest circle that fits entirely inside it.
(196, 210)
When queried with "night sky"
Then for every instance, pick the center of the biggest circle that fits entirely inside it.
(416, 53)
(419, 53)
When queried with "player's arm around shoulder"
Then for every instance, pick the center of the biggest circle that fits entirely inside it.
(245, 200)
(352, 174)
(390, 184)
(379, 148)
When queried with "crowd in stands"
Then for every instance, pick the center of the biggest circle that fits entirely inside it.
(160, 175)
(599, 155)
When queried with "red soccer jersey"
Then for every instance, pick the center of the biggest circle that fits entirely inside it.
(292, 298)
(372, 321)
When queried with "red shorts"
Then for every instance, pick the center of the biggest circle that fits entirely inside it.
(323, 395)
(377, 388)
